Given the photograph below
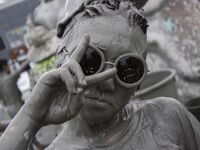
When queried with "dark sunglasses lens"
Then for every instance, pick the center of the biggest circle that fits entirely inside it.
(91, 61)
(130, 69)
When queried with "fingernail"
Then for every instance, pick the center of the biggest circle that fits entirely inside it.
(84, 82)
(75, 91)
(87, 37)
(79, 90)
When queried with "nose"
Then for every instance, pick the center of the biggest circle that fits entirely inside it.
(109, 84)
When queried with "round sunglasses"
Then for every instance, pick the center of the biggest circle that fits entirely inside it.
(131, 68)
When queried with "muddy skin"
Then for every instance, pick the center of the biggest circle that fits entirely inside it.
(97, 109)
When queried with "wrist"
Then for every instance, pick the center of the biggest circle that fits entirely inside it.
(31, 127)
(27, 111)
(36, 107)
(20, 132)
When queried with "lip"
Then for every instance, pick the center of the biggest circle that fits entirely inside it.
(96, 101)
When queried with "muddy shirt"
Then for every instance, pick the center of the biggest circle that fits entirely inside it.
(159, 124)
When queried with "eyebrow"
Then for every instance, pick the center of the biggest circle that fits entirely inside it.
(115, 57)
(104, 50)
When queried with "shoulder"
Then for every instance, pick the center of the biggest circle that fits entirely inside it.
(169, 118)
(161, 103)
(159, 118)
(159, 108)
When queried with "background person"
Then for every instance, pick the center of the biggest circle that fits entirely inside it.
(9, 90)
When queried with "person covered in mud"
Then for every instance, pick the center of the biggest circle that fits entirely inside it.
(40, 37)
(9, 91)
(101, 63)
(48, 13)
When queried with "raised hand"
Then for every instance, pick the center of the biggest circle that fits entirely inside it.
(57, 97)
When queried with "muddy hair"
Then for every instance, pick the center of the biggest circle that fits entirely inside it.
(111, 7)
(101, 8)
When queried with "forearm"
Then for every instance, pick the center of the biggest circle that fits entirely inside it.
(19, 133)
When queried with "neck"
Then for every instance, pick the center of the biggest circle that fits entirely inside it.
(101, 134)
(97, 128)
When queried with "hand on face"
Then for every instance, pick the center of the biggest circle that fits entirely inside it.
(57, 97)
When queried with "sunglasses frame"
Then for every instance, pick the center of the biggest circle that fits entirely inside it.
(103, 62)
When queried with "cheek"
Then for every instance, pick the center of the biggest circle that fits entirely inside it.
(122, 96)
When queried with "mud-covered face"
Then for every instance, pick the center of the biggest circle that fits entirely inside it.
(113, 37)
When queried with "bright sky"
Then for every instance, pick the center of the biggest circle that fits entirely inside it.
(2, 1)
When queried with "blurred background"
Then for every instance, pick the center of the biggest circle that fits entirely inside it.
(28, 43)
(13, 15)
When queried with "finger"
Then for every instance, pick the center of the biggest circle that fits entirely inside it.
(100, 77)
(75, 68)
(74, 105)
(68, 79)
(80, 50)
(66, 109)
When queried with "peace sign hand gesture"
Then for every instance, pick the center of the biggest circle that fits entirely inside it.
(57, 96)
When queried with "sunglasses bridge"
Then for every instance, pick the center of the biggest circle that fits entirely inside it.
(109, 63)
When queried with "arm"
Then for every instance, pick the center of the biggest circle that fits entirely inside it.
(185, 126)
(191, 129)
(20, 132)
(56, 98)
